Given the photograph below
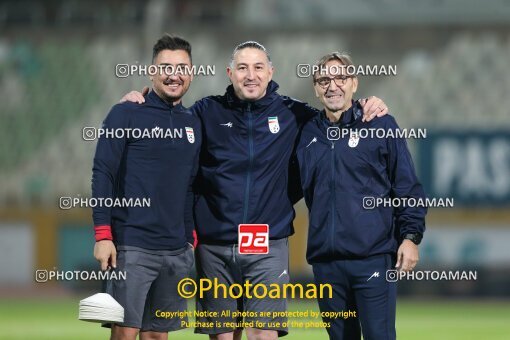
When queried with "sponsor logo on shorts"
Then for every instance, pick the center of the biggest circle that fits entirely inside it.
(253, 239)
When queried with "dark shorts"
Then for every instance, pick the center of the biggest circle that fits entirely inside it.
(224, 263)
(151, 287)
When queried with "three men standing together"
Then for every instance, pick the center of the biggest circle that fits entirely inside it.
(244, 177)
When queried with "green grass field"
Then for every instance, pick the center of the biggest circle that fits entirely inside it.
(416, 320)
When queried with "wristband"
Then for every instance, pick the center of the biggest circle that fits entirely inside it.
(103, 232)
(415, 238)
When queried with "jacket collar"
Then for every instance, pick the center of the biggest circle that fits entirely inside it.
(347, 118)
(154, 99)
(268, 98)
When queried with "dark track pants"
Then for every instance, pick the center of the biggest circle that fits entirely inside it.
(359, 285)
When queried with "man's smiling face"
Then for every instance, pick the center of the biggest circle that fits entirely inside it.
(250, 73)
(337, 96)
(172, 87)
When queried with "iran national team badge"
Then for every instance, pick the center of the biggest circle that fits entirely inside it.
(274, 127)
(353, 139)
(190, 135)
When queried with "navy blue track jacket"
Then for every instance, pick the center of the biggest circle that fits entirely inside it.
(336, 177)
(160, 166)
(244, 164)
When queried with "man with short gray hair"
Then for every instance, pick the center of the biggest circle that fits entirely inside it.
(351, 243)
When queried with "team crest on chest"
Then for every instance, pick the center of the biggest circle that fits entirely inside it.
(274, 127)
(190, 134)
(353, 139)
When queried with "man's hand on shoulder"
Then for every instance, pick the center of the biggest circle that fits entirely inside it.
(135, 96)
(372, 107)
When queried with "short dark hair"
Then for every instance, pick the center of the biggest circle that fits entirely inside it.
(249, 44)
(170, 42)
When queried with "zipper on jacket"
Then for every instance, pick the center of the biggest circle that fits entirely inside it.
(250, 163)
(333, 198)
(172, 125)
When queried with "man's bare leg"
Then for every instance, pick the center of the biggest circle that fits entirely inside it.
(150, 335)
(124, 333)
(261, 334)
(235, 335)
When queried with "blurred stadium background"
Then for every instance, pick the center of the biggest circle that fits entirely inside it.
(57, 75)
